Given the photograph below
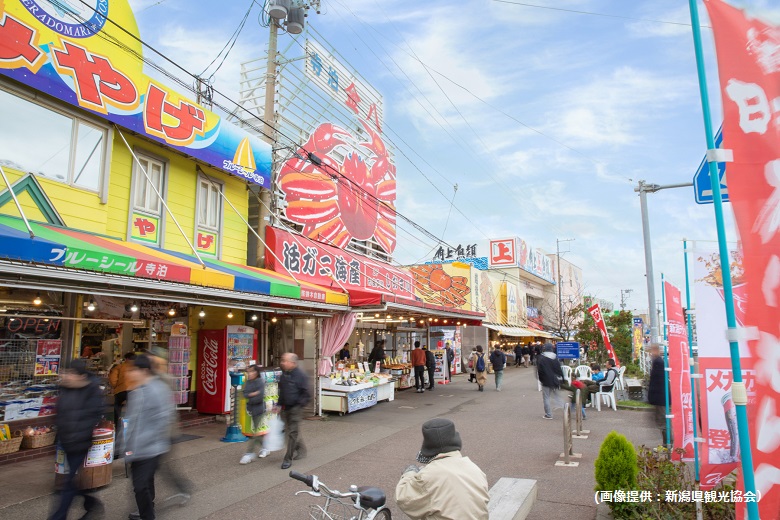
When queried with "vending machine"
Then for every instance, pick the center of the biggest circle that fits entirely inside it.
(219, 353)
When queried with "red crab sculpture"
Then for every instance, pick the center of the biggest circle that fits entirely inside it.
(338, 202)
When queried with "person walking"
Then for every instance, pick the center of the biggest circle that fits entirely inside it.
(450, 360)
(480, 368)
(418, 363)
(117, 377)
(449, 486)
(550, 375)
(527, 356)
(150, 415)
(656, 393)
(498, 360)
(294, 394)
(79, 408)
(518, 354)
(430, 365)
(254, 393)
(470, 362)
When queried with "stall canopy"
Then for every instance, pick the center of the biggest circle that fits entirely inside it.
(62, 247)
(518, 332)
(367, 301)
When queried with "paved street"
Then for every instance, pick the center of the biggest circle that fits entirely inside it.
(503, 432)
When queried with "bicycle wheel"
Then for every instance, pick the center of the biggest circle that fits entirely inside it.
(383, 514)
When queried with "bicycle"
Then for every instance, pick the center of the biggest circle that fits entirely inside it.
(369, 501)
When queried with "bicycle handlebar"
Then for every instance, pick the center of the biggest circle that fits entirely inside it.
(306, 479)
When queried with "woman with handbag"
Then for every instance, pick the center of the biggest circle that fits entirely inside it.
(480, 367)
(470, 364)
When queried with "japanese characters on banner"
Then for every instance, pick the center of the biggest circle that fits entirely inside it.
(748, 54)
(325, 265)
(47, 357)
(598, 318)
(512, 304)
(680, 375)
(720, 451)
(516, 252)
(71, 52)
(638, 337)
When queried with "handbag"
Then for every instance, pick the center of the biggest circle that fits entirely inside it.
(274, 437)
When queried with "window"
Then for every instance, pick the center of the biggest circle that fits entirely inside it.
(145, 198)
(51, 144)
(209, 204)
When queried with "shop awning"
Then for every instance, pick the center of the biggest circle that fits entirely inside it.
(58, 247)
(518, 332)
(368, 301)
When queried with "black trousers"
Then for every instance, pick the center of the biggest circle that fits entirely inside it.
(431, 371)
(419, 377)
(120, 398)
(143, 485)
(69, 489)
(292, 417)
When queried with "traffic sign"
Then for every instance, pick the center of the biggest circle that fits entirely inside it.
(568, 350)
(702, 187)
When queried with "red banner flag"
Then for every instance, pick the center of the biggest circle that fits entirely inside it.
(595, 312)
(680, 375)
(748, 52)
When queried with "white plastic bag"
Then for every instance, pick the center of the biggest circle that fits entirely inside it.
(274, 437)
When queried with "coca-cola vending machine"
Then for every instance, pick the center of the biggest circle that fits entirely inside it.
(219, 352)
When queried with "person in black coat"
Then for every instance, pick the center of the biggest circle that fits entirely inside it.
(430, 365)
(294, 394)
(518, 354)
(656, 392)
(550, 376)
(377, 354)
(79, 408)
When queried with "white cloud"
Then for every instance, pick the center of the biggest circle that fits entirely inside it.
(654, 27)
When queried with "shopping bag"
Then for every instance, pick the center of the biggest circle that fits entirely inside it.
(274, 437)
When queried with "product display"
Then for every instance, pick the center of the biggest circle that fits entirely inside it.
(351, 389)
(178, 365)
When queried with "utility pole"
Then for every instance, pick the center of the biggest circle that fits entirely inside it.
(643, 189)
(624, 292)
(560, 297)
(269, 135)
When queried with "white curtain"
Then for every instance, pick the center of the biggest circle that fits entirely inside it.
(335, 332)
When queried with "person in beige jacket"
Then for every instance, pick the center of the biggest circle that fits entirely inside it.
(449, 486)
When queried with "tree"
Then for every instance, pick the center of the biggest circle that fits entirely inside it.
(565, 321)
(620, 336)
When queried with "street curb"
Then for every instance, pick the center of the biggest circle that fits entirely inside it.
(634, 408)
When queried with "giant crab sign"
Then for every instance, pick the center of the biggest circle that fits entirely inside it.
(338, 201)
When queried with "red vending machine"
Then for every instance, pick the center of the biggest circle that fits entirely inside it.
(219, 352)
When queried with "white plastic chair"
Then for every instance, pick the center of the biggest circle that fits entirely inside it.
(583, 372)
(566, 373)
(609, 397)
(620, 382)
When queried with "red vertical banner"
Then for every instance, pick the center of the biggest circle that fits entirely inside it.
(680, 375)
(748, 54)
(595, 313)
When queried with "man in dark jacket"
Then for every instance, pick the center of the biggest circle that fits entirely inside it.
(656, 393)
(430, 365)
(377, 354)
(79, 408)
(344, 352)
(550, 375)
(450, 358)
(498, 360)
(294, 394)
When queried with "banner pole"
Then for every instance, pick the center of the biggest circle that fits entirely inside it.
(667, 368)
(746, 453)
(694, 399)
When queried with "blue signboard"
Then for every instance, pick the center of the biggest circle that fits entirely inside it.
(361, 399)
(568, 350)
(702, 187)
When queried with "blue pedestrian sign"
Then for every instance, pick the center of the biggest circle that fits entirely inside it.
(702, 187)
(568, 350)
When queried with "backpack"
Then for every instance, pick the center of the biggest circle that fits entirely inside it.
(480, 362)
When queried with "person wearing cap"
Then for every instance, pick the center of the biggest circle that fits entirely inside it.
(80, 406)
(550, 375)
(150, 414)
(449, 486)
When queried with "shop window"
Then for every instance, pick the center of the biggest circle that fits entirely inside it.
(51, 143)
(147, 210)
(209, 216)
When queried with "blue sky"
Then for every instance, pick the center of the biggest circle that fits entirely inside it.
(545, 119)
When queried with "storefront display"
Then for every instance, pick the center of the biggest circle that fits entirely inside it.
(348, 390)
(230, 349)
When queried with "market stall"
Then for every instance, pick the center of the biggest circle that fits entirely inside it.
(348, 390)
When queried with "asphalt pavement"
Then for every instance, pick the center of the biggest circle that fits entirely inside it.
(502, 432)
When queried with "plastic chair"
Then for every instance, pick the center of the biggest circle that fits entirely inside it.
(609, 396)
(619, 380)
(583, 372)
(566, 373)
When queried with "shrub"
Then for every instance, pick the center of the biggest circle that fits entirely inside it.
(616, 470)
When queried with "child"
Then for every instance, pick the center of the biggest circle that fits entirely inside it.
(254, 393)
(584, 392)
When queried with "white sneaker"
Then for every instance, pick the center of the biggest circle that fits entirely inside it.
(247, 458)
(263, 453)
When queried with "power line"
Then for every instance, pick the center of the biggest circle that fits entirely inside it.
(606, 15)
(231, 42)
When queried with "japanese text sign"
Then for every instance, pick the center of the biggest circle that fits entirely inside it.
(72, 52)
(598, 318)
